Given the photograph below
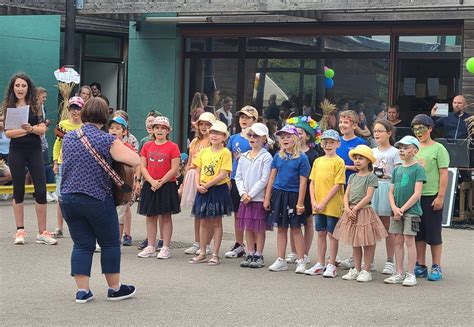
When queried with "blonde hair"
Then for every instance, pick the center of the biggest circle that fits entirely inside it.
(196, 102)
(295, 153)
(351, 114)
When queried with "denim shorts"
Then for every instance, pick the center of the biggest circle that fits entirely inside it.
(325, 223)
(58, 178)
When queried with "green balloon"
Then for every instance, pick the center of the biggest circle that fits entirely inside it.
(470, 65)
(329, 73)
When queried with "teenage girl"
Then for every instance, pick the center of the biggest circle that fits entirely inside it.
(200, 142)
(386, 158)
(359, 225)
(213, 166)
(251, 178)
(285, 196)
(159, 195)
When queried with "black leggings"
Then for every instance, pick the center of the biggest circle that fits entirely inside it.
(32, 158)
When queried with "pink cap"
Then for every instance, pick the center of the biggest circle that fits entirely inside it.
(77, 101)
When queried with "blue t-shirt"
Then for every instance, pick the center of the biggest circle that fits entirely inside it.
(289, 172)
(343, 152)
(237, 145)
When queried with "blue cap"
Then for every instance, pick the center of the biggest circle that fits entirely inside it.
(184, 157)
(121, 121)
(408, 140)
(330, 134)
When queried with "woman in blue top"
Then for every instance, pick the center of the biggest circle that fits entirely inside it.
(87, 203)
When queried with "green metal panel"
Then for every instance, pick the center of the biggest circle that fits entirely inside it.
(30, 44)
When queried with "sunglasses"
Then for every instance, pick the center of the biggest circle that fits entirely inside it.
(252, 136)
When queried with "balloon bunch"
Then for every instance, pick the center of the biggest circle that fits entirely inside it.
(470, 65)
(328, 74)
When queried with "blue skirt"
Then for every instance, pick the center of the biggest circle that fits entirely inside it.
(380, 201)
(283, 210)
(215, 203)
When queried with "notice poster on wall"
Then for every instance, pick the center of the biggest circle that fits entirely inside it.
(433, 86)
(409, 86)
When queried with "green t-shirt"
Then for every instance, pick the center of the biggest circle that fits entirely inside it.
(432, 158)
(404, 180)
(143, 141)
(359, 186)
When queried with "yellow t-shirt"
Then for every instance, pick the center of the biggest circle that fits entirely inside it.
(326, 173)
(211, 163)
(66, 126)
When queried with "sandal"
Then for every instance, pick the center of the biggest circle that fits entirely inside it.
(198, 259)
(214, 261)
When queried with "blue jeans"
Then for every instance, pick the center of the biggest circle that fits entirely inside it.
(90, 219)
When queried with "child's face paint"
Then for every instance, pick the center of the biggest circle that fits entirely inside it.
(419, 130)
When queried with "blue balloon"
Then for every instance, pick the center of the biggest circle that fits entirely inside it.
(328, 83)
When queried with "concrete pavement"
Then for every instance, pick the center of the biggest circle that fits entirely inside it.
(37, 289)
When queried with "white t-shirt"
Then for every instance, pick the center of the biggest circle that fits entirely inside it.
(227, 116)
(386, 160)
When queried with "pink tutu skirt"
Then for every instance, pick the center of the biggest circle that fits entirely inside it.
(189, 189)
(365, 231)
(252, 217)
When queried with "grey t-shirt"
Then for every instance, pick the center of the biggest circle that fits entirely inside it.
(359, 186)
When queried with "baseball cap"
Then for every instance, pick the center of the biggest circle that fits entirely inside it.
(290, 129)
(121, 121)
(330, 134)
(248, 111)
(162, 121)
(76, 101)
(408, 140)
(261, 130)
(423, 120)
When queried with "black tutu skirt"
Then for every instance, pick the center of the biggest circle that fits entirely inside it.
(216, 202)
(283, 210)
(163, 201)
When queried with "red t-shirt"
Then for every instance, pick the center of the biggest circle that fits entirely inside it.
(158, 158)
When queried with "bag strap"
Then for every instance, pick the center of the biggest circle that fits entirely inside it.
(101, 161)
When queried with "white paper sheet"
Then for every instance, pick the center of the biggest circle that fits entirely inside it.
(442, 109)
(16, 117)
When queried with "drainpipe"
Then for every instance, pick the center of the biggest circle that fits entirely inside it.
(70, 33)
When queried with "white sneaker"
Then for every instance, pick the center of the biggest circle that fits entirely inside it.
(164, 254)
(20, 237)
(410, 280)
(306, 259)
(317, 269)
(300, 266)
(364, 276)
(388, 268)
(291, 257)
(147, 252)
(237, 251)
(55, 196)
(208, 250)
(193, 249)
(394, 279)
(46, 238)
(330, 272)
(351, 275)
(348, 263)
(279, 265)
(338, 260)
(50, 197)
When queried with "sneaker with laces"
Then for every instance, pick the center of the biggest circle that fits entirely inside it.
(127, 240)
(159, 245)
(193, 249)
(317, 269)
(348, 263)
(58, 233)
(388, 268)
(236, 251)
(208, 250)
(364, 276)
(330, 272)
(435, 274)
(291, 257)
(248, 259)
(410, 280)
(125, 292)
(83, 296)
(20, 237)
(143, 244)
(300, 266)
(421, 271)
(279, 265)
(164, 253)
(46, 238)
(257, 262)
(394, 279)
(147, 252)
(351, 275)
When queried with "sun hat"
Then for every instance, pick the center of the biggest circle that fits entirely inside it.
(330, 134)
(248, 111)
(408, 140)
(162, 121)
(259, 129)
(121, 121)
(289, 129)
(207, 117)
(221, 127)
(309, 125)
(423, 120)
(364, 151)
(76, 101)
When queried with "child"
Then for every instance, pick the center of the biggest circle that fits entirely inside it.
(74, 107)
(310, 135)
(201, 141)
(118, 127)
(213, 165)
(129, 138)
(435, 159)
(359, 226)
(159, 195)
(327, 192)
(404, 196)
(285, 195)
(386, 158)
(237, 145)
(253, 172)
(348, 124)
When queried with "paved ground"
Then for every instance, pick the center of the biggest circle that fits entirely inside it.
(37, 290)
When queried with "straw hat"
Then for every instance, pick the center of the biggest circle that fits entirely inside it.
(364, 151)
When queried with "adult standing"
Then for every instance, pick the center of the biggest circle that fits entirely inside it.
(25, 152)
(454, 126)
(273, 112)
(393, 116)
(85, 92)
(96, 89)
(224, 114)
(87, 203)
